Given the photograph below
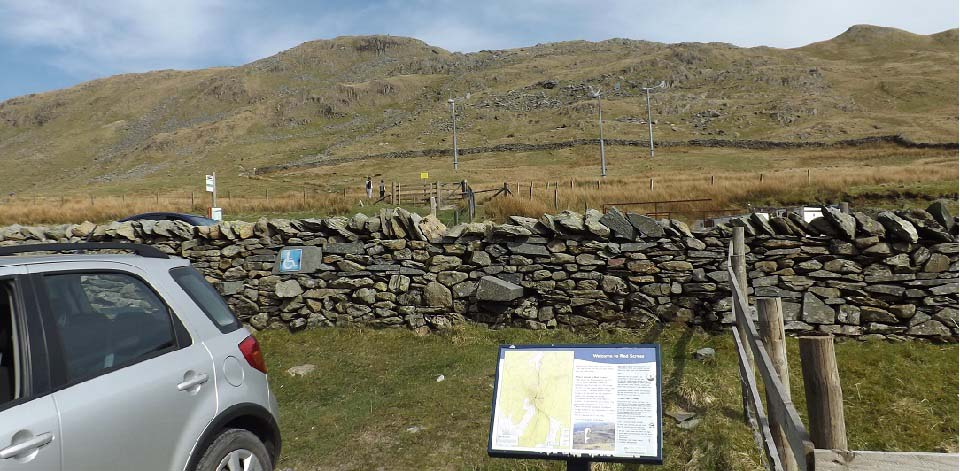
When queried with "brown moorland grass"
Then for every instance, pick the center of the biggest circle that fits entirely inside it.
(871, 176)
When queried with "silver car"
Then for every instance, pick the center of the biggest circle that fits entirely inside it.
(124, 362)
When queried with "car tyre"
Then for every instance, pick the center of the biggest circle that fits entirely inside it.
(235, 450)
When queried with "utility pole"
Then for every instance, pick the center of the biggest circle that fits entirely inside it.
(603, 154)
(453, 118)
(649, 114)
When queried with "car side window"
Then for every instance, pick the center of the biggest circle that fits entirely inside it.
(206, 297)
(9, 348)
(107, 320)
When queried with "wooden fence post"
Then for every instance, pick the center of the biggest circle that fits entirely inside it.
(651, 183)
(531, 190)
(556, 199)
(761, 177)
(713, 180)
(739, 260)
(808, 176)
(571, 183)
(598, 184)
(770, 317)
(821, 385)
(433, 206)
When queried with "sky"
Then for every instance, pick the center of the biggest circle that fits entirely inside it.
(50, 44)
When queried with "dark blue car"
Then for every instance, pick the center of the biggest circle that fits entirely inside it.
(191, 219)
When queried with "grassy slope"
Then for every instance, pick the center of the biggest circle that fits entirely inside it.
(364, 95)
(372, 386)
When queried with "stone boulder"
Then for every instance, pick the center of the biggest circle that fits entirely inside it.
(494, 289)
(868, 226)
(645, 225)
(437, 295)
(941, 213)
(618, 224)
(591, 220)
(816, 311)
(844, 224)
(569, 221)
(898, 229)
(432, 228)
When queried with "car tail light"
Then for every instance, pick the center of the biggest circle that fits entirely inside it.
(251, 351)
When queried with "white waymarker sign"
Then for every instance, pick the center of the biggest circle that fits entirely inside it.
(216, 214)
(578, 403)
(211, 183)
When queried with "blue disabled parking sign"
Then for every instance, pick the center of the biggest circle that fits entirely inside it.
(290, 260)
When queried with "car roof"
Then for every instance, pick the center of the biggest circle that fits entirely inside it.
(132, 260)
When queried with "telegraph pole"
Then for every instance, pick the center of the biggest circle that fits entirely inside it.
(453, 118)
(649, 114)
(603, 154)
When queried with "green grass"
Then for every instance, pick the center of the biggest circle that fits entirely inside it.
(372, 386)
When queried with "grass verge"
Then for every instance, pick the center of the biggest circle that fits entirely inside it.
(374, 402)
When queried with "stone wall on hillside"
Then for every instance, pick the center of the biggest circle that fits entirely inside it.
(891, 275)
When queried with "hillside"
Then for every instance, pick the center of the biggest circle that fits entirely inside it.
(356, 96)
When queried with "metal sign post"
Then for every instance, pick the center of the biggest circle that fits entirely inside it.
(211, 186)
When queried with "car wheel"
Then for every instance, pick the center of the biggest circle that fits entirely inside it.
(235, 450)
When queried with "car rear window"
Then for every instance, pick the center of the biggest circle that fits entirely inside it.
(206, 297)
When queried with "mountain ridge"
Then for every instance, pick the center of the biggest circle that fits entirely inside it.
(365, 95)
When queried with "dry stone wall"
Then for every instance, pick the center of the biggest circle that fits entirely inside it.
(888, 274)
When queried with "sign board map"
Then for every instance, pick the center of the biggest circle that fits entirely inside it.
(592, 402)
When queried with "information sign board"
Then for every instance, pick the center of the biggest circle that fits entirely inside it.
(424, 175)
(578, 402)
(211, 183)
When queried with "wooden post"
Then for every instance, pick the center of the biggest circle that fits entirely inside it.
(556, 199)
(844, 207)
(518, 188)
(770, 317)
(571, 183)
(821, 385)
(433, 206)
(531, 190)
(808, 176)
(598, 184)
(738, 259)
(35, 200)
(399, 194)
(651, 183)
(713, 180)
(761, 177)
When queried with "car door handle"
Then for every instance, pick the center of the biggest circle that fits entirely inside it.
(31, 444)
(193, 382)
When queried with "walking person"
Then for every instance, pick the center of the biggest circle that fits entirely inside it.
(369, 187)
(383, 189)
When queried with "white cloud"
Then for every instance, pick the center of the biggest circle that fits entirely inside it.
(88, 38)
(134, 34)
